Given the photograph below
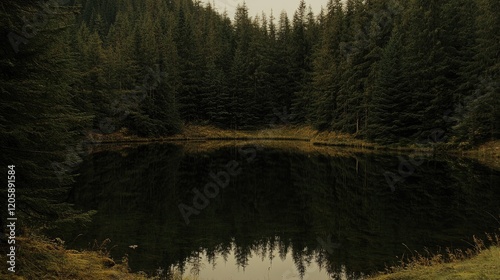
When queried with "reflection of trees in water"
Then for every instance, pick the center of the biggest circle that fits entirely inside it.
(264, 249)
(41, 193)
(281, 203)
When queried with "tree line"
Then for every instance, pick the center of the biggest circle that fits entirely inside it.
(386, 71)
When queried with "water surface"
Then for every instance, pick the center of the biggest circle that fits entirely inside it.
(285, 215)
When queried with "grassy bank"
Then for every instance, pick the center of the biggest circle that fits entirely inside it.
(486, 265)
(482, 262)
(198, 133)
(287, 133)
(196, 138)
(487, 154)
(40, 258)
(208, 138)
(206, 133)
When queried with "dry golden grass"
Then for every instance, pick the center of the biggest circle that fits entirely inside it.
(487, 154)
(481, 262)
(291, 146)
(40, 258)
(195, 138)
(207, 132)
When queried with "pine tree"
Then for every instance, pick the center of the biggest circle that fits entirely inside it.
(387, 122)
(326, 75)
(351, 99)
(191, 66)
(284, 79)
(305, 34)
(242, 71)
(217, 49)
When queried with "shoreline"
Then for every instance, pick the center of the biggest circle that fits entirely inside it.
(309, 139)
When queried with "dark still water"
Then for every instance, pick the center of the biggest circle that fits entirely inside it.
(281, 214)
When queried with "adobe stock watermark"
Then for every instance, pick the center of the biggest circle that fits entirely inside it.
(328, 245)
(408, 166)
(221, 179)
(380, 21)
(33, 26)
(280, 118)
(218, 181)
(120, 109)
(222, 5)
(486, 88)
(11, 219)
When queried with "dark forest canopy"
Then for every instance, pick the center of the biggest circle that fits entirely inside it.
(387, 71)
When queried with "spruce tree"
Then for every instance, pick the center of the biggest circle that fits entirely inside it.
(326, 63)
(388, 104)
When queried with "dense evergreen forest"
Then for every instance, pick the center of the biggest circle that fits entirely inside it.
(387, 71)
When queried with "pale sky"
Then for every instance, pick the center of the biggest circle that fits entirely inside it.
(257, 6)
